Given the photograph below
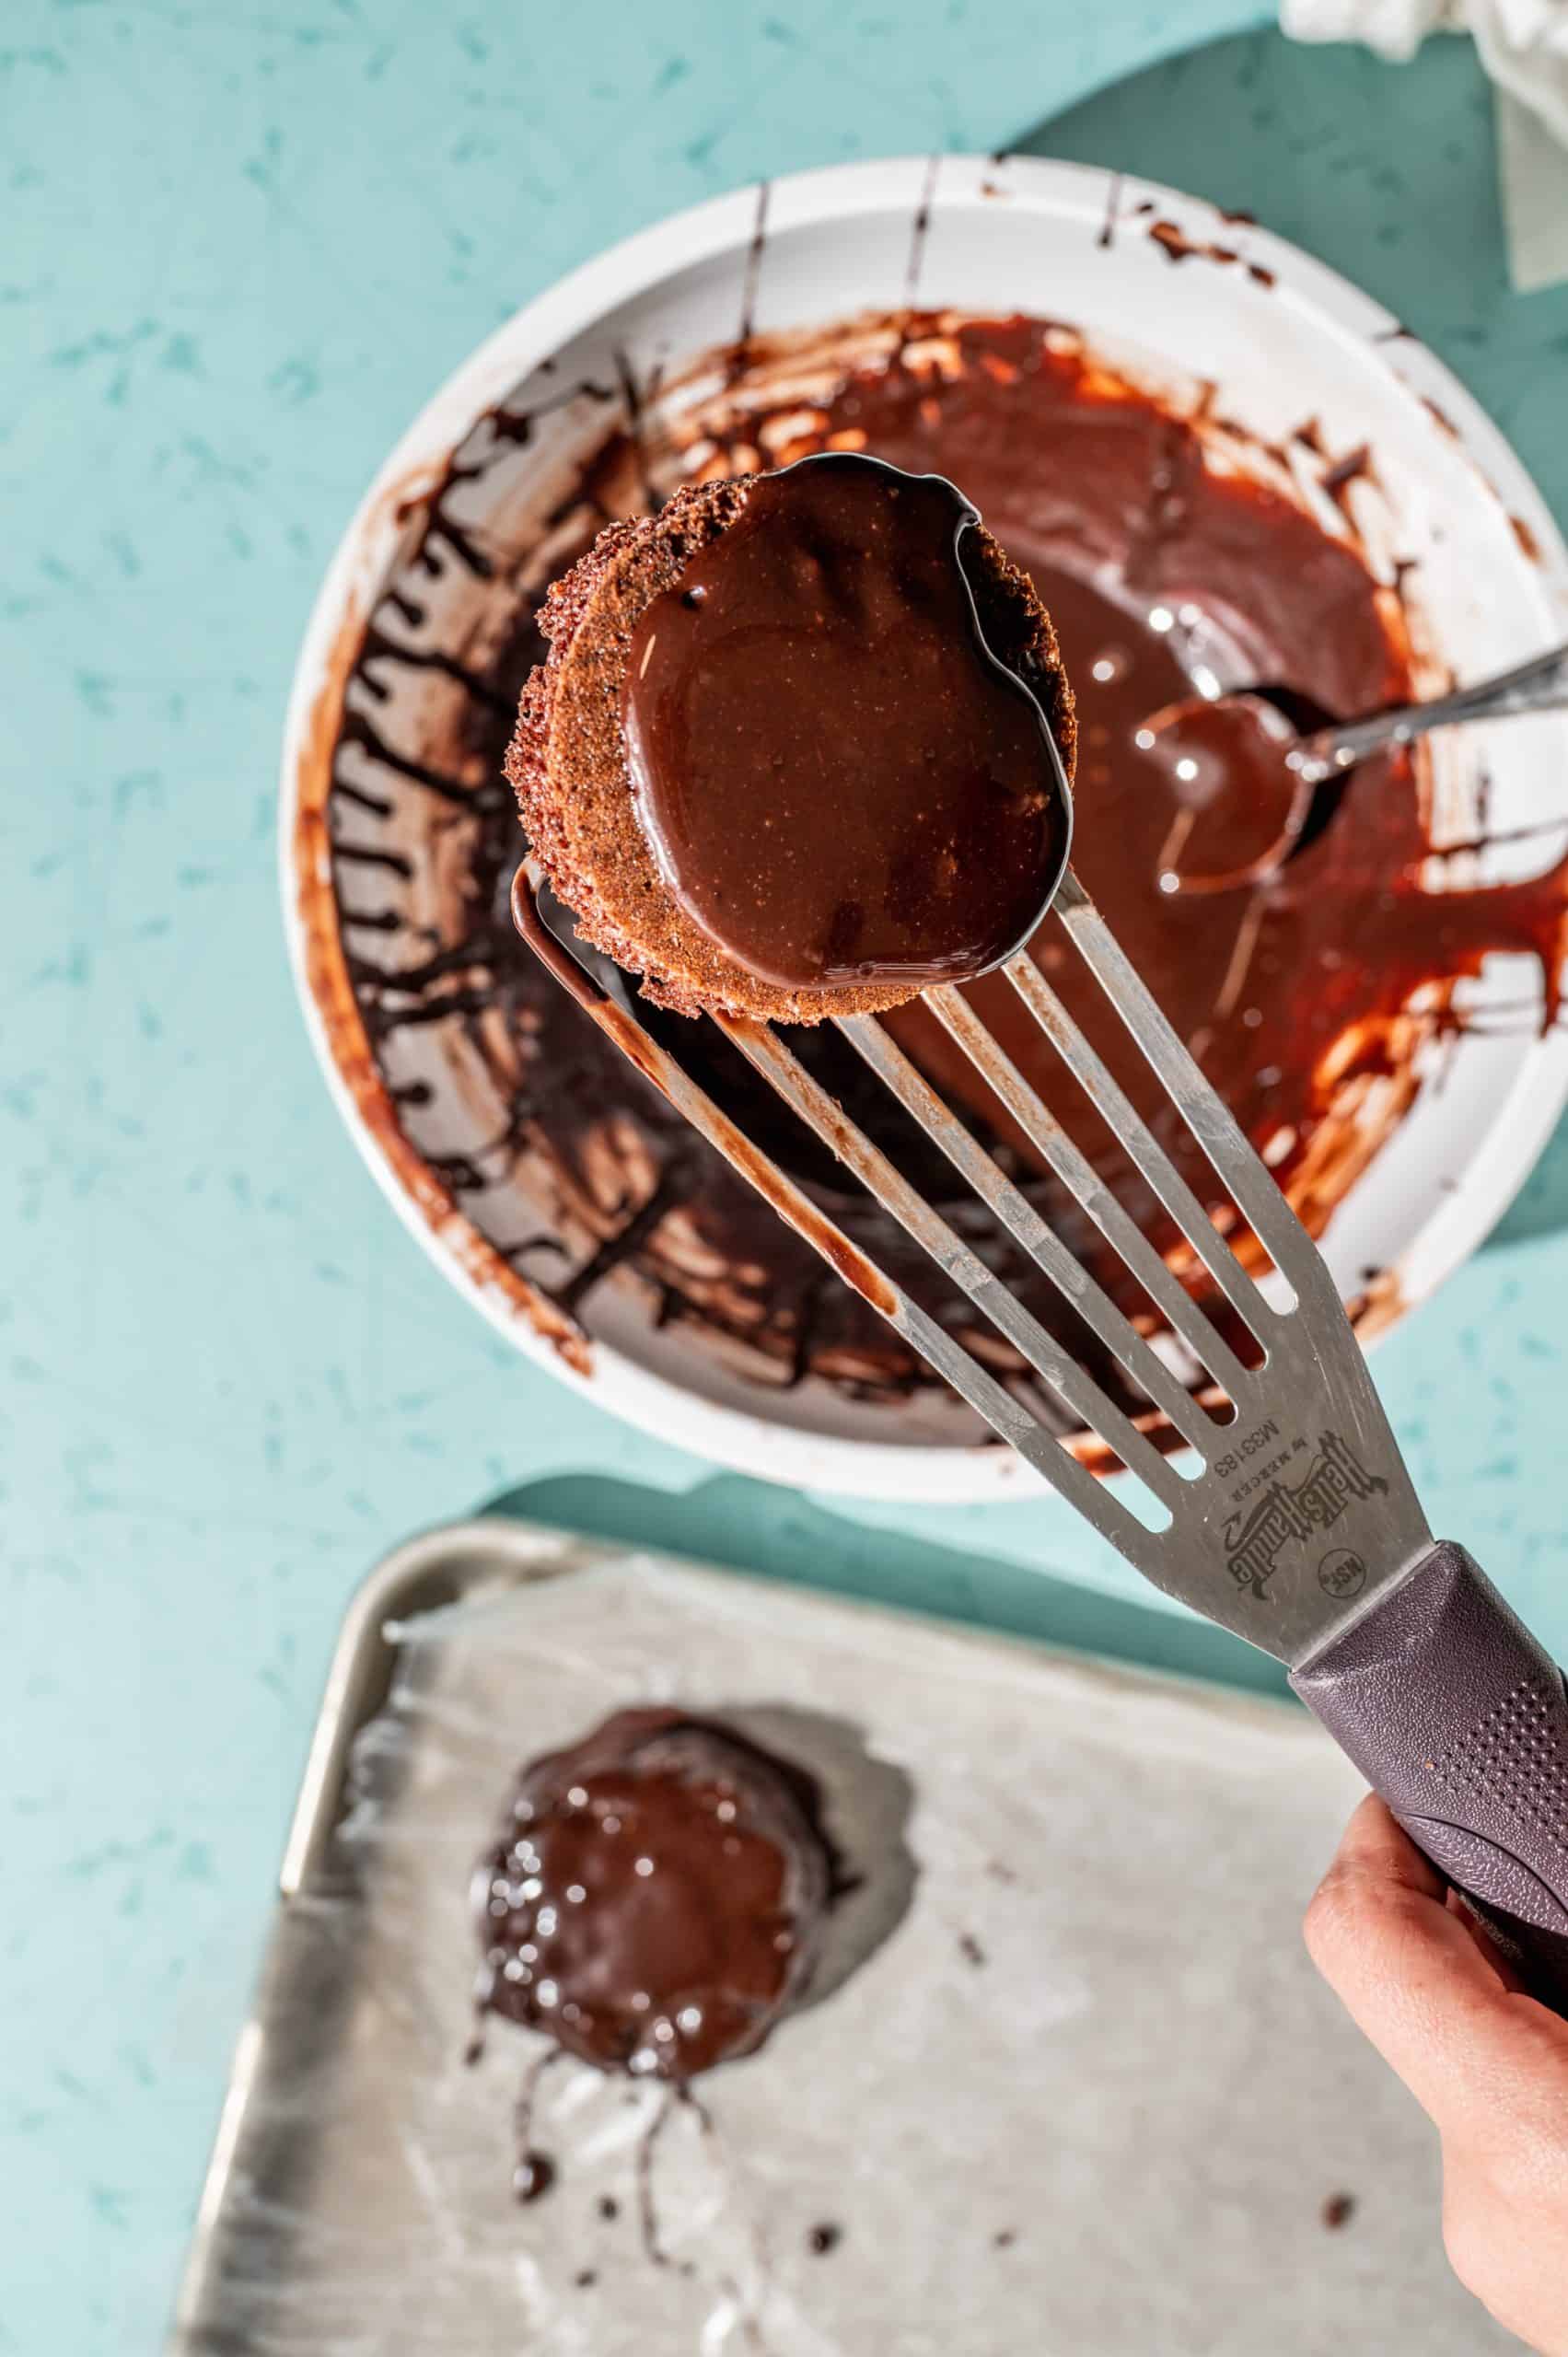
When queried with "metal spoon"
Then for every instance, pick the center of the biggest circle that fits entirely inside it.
(1207, 744)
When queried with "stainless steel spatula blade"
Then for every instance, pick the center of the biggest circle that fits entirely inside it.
(1294, 1523)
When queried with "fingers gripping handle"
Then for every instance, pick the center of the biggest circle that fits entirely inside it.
(1454, 1714)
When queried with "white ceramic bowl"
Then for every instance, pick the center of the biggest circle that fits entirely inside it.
(1018, 235)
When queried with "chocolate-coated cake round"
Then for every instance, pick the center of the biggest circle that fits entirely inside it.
(656, 1900)
(789, 754)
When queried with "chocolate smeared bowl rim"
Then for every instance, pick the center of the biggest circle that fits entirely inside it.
(708, 261)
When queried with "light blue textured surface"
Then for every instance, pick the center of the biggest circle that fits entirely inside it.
(238, 249)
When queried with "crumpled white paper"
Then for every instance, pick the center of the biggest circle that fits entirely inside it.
(1523, 46)
(1395, 28)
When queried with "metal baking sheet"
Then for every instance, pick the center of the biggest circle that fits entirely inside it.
(1067, 2082)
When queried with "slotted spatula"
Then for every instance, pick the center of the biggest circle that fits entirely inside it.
(1294, 1524)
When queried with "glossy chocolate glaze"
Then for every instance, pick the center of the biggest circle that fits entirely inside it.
(654, 1903)
(839, 782)
(1154, 567)
(1295, 994)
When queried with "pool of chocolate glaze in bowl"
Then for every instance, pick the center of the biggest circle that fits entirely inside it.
(1170, 550)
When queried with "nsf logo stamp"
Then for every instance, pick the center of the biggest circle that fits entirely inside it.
(1342, 1574)
(1291, 1511)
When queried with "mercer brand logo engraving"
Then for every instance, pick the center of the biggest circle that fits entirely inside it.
(1287, 1511)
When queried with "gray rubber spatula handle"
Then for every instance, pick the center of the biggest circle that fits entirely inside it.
(1454, 1714)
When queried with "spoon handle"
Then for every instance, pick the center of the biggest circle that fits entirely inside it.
(1539, 685)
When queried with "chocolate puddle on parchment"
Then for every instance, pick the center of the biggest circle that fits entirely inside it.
(1306, 999)
(661, 1896)
(655, 1905)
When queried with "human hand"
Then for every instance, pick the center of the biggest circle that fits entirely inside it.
(1489, 2065)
